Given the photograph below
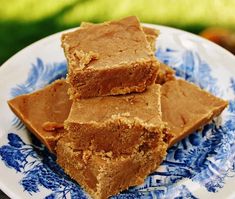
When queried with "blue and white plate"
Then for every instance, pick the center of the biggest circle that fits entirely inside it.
(200, 166)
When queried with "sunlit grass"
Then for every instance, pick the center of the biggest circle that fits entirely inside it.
(30, 10)
(178, 12)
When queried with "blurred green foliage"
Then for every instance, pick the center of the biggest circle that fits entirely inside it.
(25, 21)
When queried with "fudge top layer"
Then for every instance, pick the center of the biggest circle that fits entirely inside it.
(145, 107)
(186, 107)
(109, 44)
(44, 111)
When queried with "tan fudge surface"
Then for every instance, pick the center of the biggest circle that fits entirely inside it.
(117, 124)
(102, 176)
(165, 73)
(150, 33)
(119, 140)
(109, 59)
(44, 111)
(186, 108)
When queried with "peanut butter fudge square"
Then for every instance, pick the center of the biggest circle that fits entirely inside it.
(117, 124)
(186, 108)
(113, 142)
(102, 174)
(142, 138)
(109, 59)
(165, 73)
(44, 111)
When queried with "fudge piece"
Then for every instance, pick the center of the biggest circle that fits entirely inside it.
(44, 111)
(102, 175)
(113, 142)
(119, 124)
(109, 59)
(186, 108)
(165, 73)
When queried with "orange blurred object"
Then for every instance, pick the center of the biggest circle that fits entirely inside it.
(221, 36)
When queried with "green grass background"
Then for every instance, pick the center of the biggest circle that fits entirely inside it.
(25, 21)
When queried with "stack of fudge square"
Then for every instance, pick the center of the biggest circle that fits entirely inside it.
(119, 110)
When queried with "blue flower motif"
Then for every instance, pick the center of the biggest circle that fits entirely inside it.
(40, 75)
(14, 154)
(167, 192)
(39, 168)
(231, 106)
(15, 140)
(232, 82)
(230, 124)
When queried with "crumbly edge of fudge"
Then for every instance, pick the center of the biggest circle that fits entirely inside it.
(213, 112)
(133, 105)
(102, 179)
(127, 78)
(164, 74)
(151, 36)
(115, 136)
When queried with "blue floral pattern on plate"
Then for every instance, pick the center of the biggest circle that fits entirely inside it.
(206, 157)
